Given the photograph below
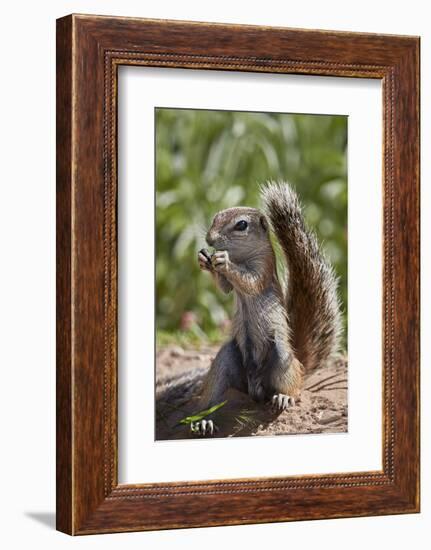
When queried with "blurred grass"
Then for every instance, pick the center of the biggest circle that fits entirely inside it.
(189, 338)
(210, 160)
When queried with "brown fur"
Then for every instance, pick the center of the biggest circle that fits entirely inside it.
(312, 300)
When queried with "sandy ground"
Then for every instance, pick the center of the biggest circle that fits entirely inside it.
(322, 407)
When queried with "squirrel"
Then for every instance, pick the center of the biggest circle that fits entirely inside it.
(277, 334)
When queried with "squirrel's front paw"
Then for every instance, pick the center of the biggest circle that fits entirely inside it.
(203, 427)
(220, 261)
(204, 259)
(280, 402)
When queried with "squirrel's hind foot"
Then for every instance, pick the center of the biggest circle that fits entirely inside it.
(203, 428)
(280, 402)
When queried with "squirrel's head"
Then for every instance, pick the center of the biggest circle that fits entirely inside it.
(242, 231)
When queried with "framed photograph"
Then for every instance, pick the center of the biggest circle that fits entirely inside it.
(237, 274)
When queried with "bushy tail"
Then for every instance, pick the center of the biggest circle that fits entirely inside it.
(312, 301)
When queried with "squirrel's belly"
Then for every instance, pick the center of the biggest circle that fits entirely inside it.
(258, 325)
(255, 353)
(253, 343)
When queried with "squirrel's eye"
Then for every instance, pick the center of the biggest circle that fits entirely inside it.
(241, 225)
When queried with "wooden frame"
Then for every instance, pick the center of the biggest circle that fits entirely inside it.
(89, 51)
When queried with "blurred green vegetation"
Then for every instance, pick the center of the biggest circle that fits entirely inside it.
(210, 160)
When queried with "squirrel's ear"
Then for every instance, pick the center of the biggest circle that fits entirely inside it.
(264, 223)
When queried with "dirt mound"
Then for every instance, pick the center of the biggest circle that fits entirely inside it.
(322, 407)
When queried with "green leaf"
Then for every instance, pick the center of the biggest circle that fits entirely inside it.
(200, 415)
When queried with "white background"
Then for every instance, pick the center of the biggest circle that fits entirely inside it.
(141, 458)
(27, 122)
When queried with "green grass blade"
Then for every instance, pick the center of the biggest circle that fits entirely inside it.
(202, 414)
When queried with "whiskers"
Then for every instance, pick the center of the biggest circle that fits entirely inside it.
(200, 233)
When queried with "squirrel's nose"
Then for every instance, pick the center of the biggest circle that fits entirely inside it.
(210, 240)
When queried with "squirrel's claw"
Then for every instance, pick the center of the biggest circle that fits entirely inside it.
(280, 402)
(220, 261)
(203, 428)
(204, 260)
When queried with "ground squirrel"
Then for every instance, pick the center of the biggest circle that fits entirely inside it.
(276, 333)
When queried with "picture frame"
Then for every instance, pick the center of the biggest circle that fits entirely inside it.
(89, 51)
